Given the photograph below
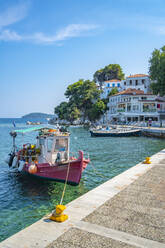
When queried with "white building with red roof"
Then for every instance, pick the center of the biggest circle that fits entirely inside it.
(135, 105)
(138, 82)
(109, 85)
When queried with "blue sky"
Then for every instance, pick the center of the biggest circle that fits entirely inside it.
(46, 45)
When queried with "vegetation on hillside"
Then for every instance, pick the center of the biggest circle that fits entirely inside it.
(109, 72)
(37, 115)
(113, 91)
(84, 96)
(157, 71)
(83, 101)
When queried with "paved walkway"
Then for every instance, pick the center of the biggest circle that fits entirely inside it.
(135, 217)
(127, 211)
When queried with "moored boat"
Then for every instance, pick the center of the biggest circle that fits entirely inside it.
(49, 158)
(122, 132)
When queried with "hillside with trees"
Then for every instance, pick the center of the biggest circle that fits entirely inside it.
(84, 96)
(157, 71)
(109, 72)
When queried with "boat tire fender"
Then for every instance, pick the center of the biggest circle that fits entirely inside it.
(10, 158)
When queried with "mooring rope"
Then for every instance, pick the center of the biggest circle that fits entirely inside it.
(66, 180)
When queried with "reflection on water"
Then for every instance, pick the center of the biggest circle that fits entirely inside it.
(24, 200)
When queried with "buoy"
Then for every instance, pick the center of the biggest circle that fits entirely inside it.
(58, 215)
(147, 161)
(15, 162)
(32, 169)
(21, 165)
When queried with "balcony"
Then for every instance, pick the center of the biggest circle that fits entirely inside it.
(120, 110)
(149, 110)
(161, 111)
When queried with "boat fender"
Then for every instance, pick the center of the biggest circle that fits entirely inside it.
(9, 159)
(15, 162)
(32, 169)
(21, 165)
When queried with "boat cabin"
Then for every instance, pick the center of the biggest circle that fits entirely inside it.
(54, 148)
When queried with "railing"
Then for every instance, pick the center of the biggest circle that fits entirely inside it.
(161, 111)
(149, 110)
(120, 110)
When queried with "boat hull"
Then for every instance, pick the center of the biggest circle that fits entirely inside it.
(115, 134)
(58, 172)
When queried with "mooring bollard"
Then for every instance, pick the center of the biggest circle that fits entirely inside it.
(58, 215)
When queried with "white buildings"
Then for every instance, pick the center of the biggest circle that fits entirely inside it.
(135, 105)
(109, 85)
(137, 81)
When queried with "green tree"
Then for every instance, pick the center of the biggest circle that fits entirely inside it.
(73, 113)
(157, 71)
(61, 110)
(96, 110)
(111, 71)
(113, 91)
(82, 94)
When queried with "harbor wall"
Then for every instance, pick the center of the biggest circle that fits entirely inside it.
(154, 132)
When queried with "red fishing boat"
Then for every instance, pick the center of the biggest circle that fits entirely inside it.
(49, 158)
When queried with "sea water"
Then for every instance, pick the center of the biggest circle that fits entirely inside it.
(24, 200)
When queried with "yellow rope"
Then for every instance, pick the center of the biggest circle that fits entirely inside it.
(65, 184)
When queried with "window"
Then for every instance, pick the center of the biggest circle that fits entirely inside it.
(143, 80)
(61, 145)
(144, 98)
(108, 85)
(49, 145)
(136, 82)
(124, 83)
(135, 107)
(113, 85)
(128, 107)
(130, 82)
(118, 85)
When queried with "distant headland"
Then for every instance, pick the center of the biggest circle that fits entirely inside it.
(37, 115)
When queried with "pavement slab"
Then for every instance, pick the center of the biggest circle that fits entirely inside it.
(138, 209)
(76, 238)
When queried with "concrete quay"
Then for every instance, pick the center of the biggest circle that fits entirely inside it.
(157, 132)
(127, 211)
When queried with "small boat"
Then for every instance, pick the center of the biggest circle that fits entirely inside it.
(49, 158)
(121, 132)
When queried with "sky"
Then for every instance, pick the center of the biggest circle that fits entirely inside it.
(47, 45)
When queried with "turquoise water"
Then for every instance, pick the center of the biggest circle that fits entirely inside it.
(23, 201)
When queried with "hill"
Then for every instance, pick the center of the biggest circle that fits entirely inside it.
(37, 115)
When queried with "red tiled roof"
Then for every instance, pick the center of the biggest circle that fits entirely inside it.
(113, 80)
(130, 91)
(138, 75)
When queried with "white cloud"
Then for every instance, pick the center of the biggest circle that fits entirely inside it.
(7, 35)
(13, 15)
(72, 30)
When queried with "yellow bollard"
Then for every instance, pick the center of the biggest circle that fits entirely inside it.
(147, 161)
(58, 215)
